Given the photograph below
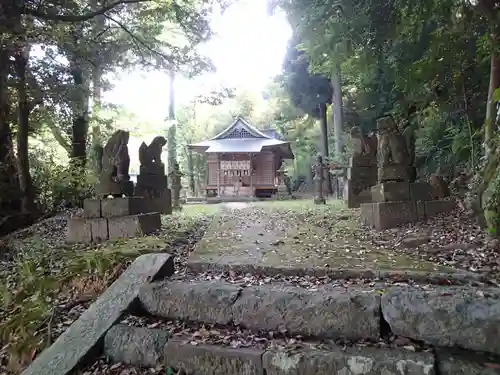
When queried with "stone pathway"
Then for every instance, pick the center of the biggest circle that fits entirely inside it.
(293, 237)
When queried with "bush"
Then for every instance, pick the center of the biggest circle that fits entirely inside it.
(58, 186)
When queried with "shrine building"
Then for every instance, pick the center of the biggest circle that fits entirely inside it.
(243, 161)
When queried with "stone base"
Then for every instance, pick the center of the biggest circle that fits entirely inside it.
(358, 183)
(362, 161)
(87, 230)
(111, 207)
(153, 181)
(354, 200)
(391, 192)
(162, 204)
(133, 225)
(105, 188)
(395, 173)
(384, 215)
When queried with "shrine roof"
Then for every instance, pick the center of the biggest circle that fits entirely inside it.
(241, 136)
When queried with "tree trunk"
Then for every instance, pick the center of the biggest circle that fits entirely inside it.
(338, 117)
(324, 140)
(191, 170)
(10, 196)
(80, 115)
(25, 182)
(172, 144)
(489, 122)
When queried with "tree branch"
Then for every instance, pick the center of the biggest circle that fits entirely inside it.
(139, 41)
(77, 18)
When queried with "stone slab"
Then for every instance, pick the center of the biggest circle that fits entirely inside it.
(461, 317)
(86, 334)
(350, 361)
(391, 192)
(133, 225)
(137, 346)
(384, 215)
(465, 364)
(78, 230)
(420, 191)
(211, 359)
(92, 208)
(394, 173)
(324, 313)
(208, 302)
(117, 207)
(99, 229)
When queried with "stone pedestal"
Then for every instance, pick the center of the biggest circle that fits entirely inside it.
(176, 195)
(114, 218)
(391, 192)
(152, 186)
(361, 175)
(395, 173)
(105, 188)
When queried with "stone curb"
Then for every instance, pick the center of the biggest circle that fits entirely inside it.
(205, 359)
(84, 337)
(444, 316)
(457, 278)
(328, 313)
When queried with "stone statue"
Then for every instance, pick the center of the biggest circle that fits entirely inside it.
(363, 145)
(393, 158)
(175, 177)
(409, 138)
(149, 155)
(114, 163)
(318, 169)
(391, 144)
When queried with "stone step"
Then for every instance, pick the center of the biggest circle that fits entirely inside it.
(463, 317)
(154, 348)
(327, 312)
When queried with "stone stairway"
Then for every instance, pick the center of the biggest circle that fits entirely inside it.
(280, 329)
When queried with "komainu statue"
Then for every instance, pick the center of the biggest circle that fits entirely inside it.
(394, 161)
(363, 144)
(114, 163)
(151, 155)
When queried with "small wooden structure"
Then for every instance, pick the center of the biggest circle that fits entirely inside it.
(243, 161)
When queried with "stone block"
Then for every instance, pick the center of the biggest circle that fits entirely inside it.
(420, 191)
(348, 361)
(212, 359)
(391, 192)
(80, 340)
(462, 317)
(394, 173)
(113, 207)
(391, 214)
(99, 229)
(92, 208)
(420, 210)
(133, 225)
(105, 188)
(153, 169)
(330, 313)
(208, 302)
(367, 214)
(362, 161)
(433, 208)
(79, 230)
(152, 181)
(137, 346)
(449, 363)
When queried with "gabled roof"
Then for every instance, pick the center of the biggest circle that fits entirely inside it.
(241, 126)
(241, 136)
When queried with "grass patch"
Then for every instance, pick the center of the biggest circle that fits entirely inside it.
(42, 282)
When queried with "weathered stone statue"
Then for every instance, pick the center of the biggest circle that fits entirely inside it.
(363, 145)
(150, 156)
(152, 182)
(394, 161)
(318, 169)
(175, 177)
(113, 166)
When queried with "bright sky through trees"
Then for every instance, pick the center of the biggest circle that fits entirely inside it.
(248, 50)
